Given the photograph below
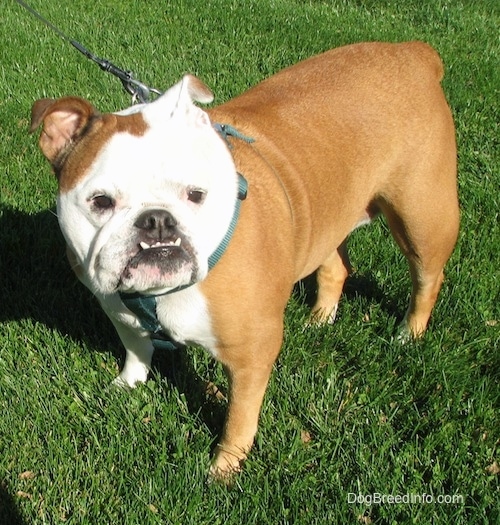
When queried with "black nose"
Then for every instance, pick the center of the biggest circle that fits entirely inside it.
(157, 224)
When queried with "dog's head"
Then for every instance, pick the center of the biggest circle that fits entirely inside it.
(146, 194)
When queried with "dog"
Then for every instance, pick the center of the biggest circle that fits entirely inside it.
(192, 226)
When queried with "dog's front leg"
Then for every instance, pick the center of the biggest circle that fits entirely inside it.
(246, 392)
(138, 346)
(248, 366)
(138, 353)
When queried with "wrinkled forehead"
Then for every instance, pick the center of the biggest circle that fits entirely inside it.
(154, 161)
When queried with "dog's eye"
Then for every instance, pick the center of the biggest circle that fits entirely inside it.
(103, 202)
(196, 196)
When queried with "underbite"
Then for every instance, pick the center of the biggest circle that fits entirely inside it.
(145, 246)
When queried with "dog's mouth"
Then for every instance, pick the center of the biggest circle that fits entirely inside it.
(168, 255)
(160, 264)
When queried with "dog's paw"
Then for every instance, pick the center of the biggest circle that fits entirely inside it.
(403, 335)
(120, 383)
(408, 333)
(128, 380)
(226, 465)
(321, 316)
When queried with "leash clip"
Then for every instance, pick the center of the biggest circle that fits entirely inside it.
(139, 91)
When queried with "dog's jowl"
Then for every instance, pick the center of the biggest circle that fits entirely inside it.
(192, 226)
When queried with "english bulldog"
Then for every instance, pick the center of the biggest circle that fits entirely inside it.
(152, 205)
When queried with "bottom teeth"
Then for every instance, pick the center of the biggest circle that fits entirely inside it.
(146, 246)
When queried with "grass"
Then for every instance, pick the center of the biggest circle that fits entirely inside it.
(348, 410)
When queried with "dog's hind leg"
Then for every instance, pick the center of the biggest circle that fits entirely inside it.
(426, 230)
(331, 276)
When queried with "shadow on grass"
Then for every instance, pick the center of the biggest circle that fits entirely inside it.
(9, 513)
(177, 368)
(37, 283)
(356, 285)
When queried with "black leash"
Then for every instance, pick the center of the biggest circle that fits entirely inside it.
(139, 91)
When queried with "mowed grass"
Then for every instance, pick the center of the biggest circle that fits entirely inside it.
(349, 412)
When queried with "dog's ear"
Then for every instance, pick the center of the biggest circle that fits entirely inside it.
(192, 89)
(178, 102)
(63, 120)
(197, 90)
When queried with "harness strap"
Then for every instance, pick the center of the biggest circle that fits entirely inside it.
(226, 131)
(144, 307)
(242, 195)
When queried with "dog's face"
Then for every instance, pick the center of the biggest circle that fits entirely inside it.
(145, 195)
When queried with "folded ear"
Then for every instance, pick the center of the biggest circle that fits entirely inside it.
(178, 101)
(63, 119)
(194, 90)
(197, 90)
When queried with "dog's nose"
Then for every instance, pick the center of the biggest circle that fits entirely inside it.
(157, 223)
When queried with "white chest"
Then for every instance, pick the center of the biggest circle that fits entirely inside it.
(185, 316)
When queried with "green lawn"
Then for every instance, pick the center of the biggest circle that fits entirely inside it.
(349, 411)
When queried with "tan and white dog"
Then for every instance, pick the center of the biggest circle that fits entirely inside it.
(147, 195)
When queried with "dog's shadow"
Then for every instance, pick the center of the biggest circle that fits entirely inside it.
(9, 513)
(37, 283)
(356, 285)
